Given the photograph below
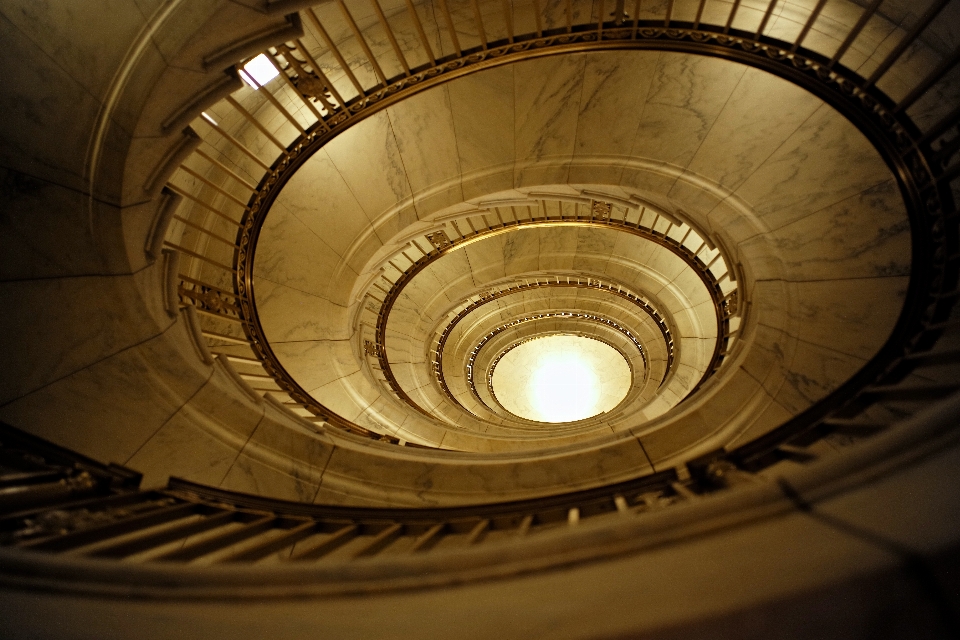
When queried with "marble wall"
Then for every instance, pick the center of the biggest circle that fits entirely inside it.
(89, 321)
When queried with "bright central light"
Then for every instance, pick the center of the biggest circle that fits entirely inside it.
(564, 388)
(561, 378)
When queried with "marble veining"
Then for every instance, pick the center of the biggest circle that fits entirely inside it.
(320, 198)
(825, 161)
(865, 235)
(611, 102)
(290, 253)
(686, 95)
(288, 314)
(759, 115)
(376, 175)
(426, 139)
(547, 94)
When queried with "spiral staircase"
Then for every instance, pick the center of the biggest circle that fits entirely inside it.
(262, 262)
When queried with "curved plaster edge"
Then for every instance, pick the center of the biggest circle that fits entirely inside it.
(224, 363)
(192, 323)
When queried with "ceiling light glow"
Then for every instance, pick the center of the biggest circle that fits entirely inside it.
(564, 388)
(561, 378)
(258, 71)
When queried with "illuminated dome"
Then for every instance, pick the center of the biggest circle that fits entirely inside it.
(561, 378)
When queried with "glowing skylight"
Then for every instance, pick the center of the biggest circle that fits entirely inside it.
(258, 71)
(561, 378)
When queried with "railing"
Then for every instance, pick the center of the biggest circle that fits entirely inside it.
(188, 542)
(56, 504)
(96, 511)
(317, 105)
(702, 255)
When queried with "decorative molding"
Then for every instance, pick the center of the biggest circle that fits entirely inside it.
(592, 284)
(170, 275)
(196, 334)
(235, 377)
(689, 257)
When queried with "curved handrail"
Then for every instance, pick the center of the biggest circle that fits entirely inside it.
(74, 542)
(922, 169)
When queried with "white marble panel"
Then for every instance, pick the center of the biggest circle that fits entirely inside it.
(666, 263)
(82, 320)
(403, 321)
(185, 449)
(695, 195)
(349, 48)
(769, 356)
(936, 103)
(407, 375)
(386, 412)
(320, 198)
(347, 397)
(689, 284)
(615, 86)
(547, 98)
(289, 314)
(557, 248)
(813, 373)
(863, 236)
(316, 363)
(521, 252)
(422, 291)
(400, 481)
(775, 304)
(203, 438)
(741, 399)
(250, 475)
(594, 249)
(915, 63)
(555, 12)
(628, 252)
(45, 231)
(292, 254)
(402, 24)
(835, 21)
(452, 270)
(26, 143)
(825, 161)
(854, 317)
(92, 59)
(134, 391)
(403, 348)
(769, 419)
(761, 113)
(280, 460)
(706, 315)
(486, 259)
(686, 96)
(368, 159)
(426, 138)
